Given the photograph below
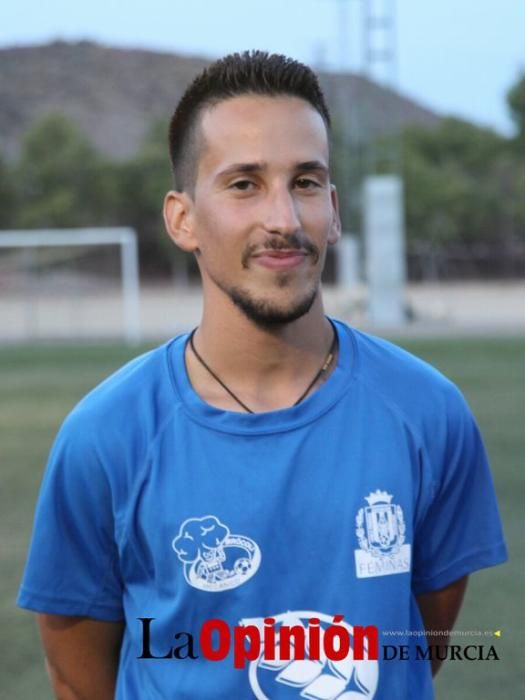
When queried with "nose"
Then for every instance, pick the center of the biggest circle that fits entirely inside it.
(281, 214)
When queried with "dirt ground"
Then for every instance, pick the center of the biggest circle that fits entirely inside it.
(433, 309)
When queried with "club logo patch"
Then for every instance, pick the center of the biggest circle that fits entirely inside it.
(322, 679)
(213, 558)
(380, 531)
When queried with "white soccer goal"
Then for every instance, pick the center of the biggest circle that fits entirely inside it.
(53, 285)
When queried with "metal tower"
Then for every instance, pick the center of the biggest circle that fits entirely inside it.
(379, 40)
(379, 46)
(383, 197)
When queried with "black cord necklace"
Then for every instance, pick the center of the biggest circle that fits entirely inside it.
(326, 364)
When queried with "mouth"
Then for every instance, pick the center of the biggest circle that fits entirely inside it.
(282, 259)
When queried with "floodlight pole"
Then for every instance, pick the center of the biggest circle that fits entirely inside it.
(342, 27)
(379, 48)
(383, 195)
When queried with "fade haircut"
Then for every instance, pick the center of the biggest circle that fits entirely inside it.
(248, 73)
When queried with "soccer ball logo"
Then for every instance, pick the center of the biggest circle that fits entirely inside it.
(321, 679)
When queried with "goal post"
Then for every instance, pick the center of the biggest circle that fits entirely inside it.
(125, 238)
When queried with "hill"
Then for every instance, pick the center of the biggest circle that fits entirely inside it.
(114, 94)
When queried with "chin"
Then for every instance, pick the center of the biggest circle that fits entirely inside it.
(267, 313)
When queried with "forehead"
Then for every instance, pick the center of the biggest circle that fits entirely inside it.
(251, 128)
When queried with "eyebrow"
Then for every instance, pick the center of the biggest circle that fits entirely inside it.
(257, 167)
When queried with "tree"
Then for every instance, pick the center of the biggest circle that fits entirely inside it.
(516, 104)
(346, 168)
(453, 191)
(464, 192)
(61, 180)
(7, 195)
(143, 182)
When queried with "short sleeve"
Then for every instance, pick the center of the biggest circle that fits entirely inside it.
(460, 531)
(72, 566)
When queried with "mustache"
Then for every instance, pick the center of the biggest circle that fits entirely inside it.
(289, 241)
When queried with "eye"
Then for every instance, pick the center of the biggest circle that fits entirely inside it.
(242, 185)
(306, 183)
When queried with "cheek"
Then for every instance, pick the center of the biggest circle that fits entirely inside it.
(315, 212)
(219, 236)
(225, 221)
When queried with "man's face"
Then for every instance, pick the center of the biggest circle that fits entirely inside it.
(263, 209)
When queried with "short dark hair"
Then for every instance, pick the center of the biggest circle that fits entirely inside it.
(250, 72)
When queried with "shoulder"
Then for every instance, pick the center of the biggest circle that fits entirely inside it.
(427, 406)
(427, 402)
(116, 422)
(128, 393)
(401, 377)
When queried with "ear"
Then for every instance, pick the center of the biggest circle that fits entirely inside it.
(179, 220)
(334, 233)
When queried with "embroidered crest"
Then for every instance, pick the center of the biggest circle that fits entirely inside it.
(380, 531)
(213, 558)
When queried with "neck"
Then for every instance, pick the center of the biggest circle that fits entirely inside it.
(266, 368)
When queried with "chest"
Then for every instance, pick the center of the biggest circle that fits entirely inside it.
(215, 510)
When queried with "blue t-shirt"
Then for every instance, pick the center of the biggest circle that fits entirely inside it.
(161, 510)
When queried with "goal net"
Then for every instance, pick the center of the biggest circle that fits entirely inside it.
(69, 284)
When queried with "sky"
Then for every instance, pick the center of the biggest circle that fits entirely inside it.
(455, 56)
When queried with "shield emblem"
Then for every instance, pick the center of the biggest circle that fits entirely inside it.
(382, 527)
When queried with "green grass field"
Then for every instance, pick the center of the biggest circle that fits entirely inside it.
(38, 386)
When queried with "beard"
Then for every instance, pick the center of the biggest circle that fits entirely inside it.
(266, 314)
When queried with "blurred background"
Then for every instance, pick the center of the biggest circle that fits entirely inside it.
(428, 155)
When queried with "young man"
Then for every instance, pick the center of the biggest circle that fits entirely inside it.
(274, 469)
